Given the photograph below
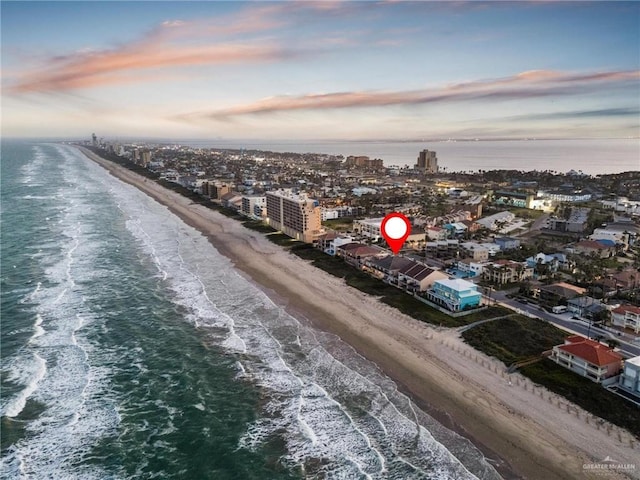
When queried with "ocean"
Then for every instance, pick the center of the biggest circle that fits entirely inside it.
(132, 349)
(591, 156)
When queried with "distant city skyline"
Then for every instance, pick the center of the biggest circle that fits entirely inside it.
(321, 70)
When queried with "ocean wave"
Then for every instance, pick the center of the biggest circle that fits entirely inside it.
(333, 419)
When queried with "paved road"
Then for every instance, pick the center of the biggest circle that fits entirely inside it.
(627, 347)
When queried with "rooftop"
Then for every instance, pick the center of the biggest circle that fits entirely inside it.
(589, 350)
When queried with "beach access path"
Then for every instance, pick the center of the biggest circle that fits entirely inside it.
(535, 433)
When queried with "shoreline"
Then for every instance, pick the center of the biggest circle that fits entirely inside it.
(425, 363)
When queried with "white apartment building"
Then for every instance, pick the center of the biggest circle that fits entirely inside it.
(254, 205)
(368, 227)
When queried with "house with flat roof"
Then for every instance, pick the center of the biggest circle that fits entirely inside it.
(630, 377)
(455, 294)
(588, 358)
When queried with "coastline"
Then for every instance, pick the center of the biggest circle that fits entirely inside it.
(427, 364)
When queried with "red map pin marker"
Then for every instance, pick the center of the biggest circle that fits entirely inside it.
(395, 229)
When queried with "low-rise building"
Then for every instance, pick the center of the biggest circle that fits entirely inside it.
(356, 253)
(475, 251)
(254, 205)
(330, 242)
(455, 294)
(588, 358)
(587, 307)
(507, 243)
(231, 200)
(368, 227)
(469, 267)
(506, 271)
(559, 293)
(593, 247)
(418, 277)
(626, 316)
(630, 377)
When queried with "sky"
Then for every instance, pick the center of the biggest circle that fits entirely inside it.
(330, 70)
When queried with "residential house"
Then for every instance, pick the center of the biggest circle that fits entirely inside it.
(506, 271)
(630, 377)
(231, 200)
(592, 247)
(559, 293)
(475, 251)
(626, 316)
(507, 243)
(386, 268)
(587, 307)
(544, 265)
(368, 227)
(436, 233)
(497, 220)
(455, 294)
(417, 237)
(356, 253)
(469, 267)
(417, 276)
(588, 358)
(330, 242)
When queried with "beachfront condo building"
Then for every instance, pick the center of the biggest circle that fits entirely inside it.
(297, 216)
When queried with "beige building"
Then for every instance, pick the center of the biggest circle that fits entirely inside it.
(297, 216)
(427, 162)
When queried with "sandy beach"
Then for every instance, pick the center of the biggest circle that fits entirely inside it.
(535, 434)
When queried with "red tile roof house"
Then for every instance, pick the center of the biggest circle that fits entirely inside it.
(588, 358)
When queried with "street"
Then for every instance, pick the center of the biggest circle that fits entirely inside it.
(627, 347)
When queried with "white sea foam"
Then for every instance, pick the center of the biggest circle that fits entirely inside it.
(29, 374)
(77, 410)
(355, 421)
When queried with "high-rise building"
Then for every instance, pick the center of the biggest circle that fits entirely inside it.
(297, 216)
(427, 162)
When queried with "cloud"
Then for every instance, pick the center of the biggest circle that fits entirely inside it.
(173, 43)
(530, 84)
(604, 112)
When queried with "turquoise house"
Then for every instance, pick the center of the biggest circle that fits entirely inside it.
(455, 294)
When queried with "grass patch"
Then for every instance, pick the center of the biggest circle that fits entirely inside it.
(585, 393)
(339, 224)
(259, 226)
(514, 338)
(388, 294)
(283, 240)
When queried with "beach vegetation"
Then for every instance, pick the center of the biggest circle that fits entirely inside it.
(514, 338)
(589, 395)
